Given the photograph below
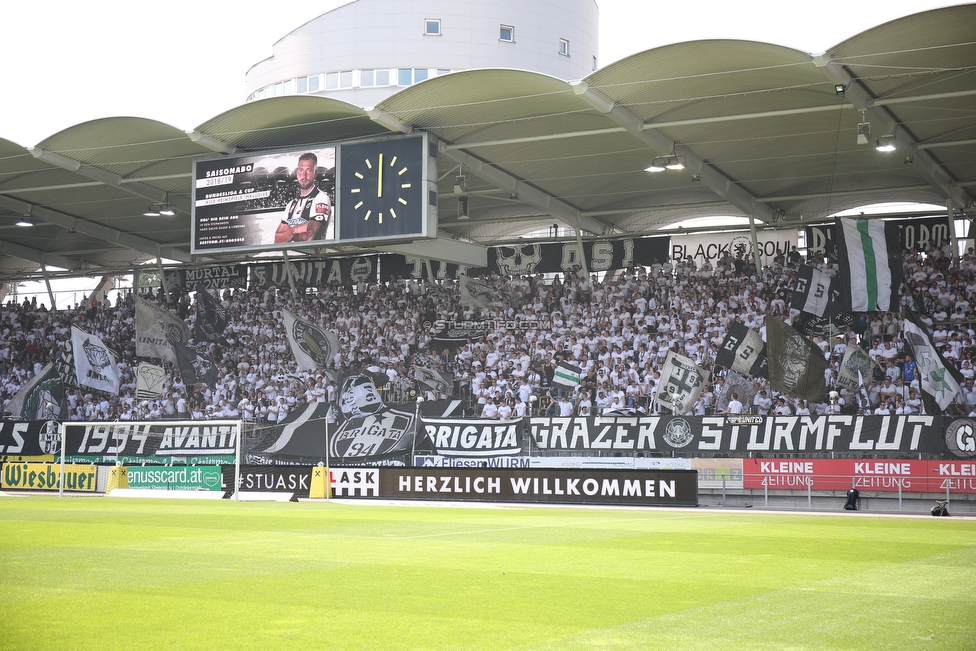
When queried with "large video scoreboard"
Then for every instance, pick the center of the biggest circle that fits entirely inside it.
(367, 191)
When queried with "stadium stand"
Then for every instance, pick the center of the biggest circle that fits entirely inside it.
(618, 329)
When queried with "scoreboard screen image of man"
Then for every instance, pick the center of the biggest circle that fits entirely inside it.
(264, 201)
(365, 190)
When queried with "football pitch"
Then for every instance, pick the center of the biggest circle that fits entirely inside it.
(102, 573)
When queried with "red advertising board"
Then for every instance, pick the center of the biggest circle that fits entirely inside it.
(865, 474)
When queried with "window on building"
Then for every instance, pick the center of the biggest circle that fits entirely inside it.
(506, 33)
(331, 80)
(564, 47)
(289, 87)
(345, 79)
(432, 27)
(404, 76)
(382, 77)
(442, 71)
(313, 83)
(419, 74)
(366, 78)
(302, 85)
(278, 89)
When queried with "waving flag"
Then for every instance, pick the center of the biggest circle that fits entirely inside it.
(567, 374)
(744, 351)
(682, 382)
(855, 366)
(157, 331)
(95, 365)
(312, 346)
(814, 292)
(211, 318)
(870, 262)
(41, 398)
(796, 364)
(939, 380)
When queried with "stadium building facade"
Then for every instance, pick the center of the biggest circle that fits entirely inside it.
(365, 51)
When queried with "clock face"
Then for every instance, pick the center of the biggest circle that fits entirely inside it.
(382, 189)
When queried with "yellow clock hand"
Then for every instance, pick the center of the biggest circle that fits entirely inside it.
(379, 178)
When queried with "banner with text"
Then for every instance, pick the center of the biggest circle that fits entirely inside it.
(316, 273)
(273, 479)
(712, 247)
(474, 438)
(216, 277)
(44, 476)
(549, 257)
(742, 434)
(884, 475)
(156, 443)
(626, 487)
(916, 232)
(187, 478)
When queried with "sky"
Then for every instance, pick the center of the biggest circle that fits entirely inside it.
(182, 62)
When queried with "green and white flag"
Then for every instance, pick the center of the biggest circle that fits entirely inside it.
(870, 263)
(567, 374)
(41, 398)
(939, 379)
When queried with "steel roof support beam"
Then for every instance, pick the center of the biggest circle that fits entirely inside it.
(922, 161)
(127, 240)
(529, 194)
(501, 179)
(33, 255)
(548, 136)
(715, 180)
(210, 142)
(108, 178)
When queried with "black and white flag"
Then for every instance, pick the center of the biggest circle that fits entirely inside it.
(856, 364)
(939, 379)
(744, 351)
(149, 381)
(476, 293)
(211, 318)
(796, 364)
(815, 292)
(312, 346)
(195, 367)
(157, 331)
(95, 365)
(433, 380)
(682, 382)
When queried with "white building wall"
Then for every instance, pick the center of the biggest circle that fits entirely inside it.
(389, 35)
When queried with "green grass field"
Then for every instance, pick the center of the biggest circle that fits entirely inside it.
(91, 573)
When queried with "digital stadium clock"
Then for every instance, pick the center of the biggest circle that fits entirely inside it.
(383, 188)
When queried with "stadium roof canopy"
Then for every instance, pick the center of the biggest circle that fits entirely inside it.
(764, 130)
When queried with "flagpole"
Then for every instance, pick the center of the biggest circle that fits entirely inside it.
(328, 473)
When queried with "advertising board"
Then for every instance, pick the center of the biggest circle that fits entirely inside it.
(623, 487)
(206, 478)
(883, 475)
(44, 476)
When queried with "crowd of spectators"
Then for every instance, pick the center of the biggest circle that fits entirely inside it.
(618, 328)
